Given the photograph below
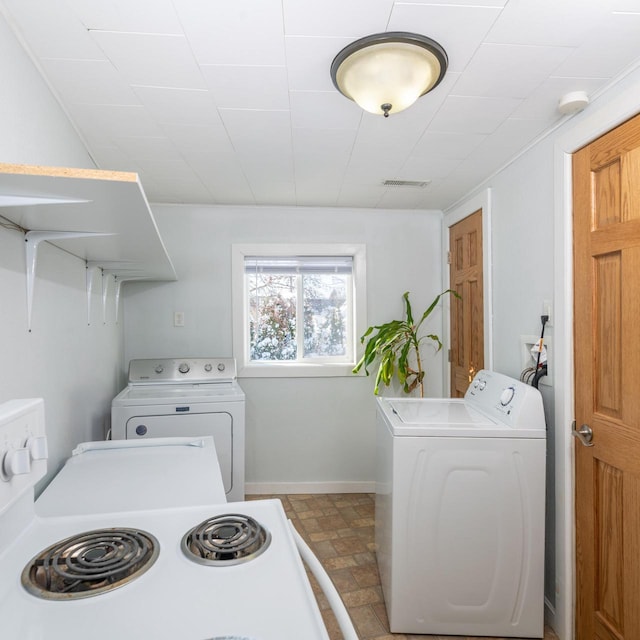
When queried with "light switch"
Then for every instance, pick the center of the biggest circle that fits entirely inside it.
(178, 319)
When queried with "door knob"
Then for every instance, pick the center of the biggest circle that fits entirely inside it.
(584, 434)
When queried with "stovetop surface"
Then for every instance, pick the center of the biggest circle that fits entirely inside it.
(268, 597)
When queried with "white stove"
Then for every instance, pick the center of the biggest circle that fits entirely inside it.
(213, 571)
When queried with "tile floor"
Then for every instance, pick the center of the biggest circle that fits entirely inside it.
(339, 528)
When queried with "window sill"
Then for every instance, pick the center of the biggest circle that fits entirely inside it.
(298, 370)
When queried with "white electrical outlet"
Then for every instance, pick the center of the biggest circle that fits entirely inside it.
(178, 319)
(546, 311)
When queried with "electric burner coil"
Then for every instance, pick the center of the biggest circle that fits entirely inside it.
(90, 563)
(226, 540)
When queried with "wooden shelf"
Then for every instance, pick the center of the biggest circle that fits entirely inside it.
(88, 200)
(102, 217)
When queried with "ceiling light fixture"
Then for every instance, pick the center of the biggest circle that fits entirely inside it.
(387, 72)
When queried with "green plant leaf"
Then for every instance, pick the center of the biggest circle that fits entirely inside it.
(405, 295)
(366, 333)
(433, 305)
(403, 360)
(396, 345)
(436, 339)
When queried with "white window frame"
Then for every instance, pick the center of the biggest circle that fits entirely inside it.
(317, 368)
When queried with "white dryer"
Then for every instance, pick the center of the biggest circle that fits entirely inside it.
(184, 398)
(460, 507)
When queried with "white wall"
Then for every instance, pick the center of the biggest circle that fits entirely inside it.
(34, 128)
(73, 366)
(522, 243)
(523, 278)
(298, 430)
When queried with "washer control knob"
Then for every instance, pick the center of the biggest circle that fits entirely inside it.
(159, 369)
(16, 462)
(38, 449)
(184, 368)
(208, 367)
(482, 385)
(221, 367)
(507, 396)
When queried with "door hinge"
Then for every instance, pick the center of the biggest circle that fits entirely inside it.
(449, 355)
(448, 257)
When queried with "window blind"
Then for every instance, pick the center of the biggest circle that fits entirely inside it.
(298, 264)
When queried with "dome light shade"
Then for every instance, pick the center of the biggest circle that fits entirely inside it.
(387, 72)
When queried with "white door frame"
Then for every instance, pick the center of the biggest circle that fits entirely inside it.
(451, 217)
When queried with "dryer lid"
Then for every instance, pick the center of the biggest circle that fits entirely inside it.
(164, 394)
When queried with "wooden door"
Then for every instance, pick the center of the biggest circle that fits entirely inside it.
(606, 207)
(467, 311)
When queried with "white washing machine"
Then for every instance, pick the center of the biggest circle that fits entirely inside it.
(460, 507)
(186, 397)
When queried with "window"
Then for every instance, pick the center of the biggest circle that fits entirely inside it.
(298, 310)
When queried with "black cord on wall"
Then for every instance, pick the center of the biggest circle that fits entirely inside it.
(540, 371)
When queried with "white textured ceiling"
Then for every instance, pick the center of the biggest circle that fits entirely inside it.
(214, 101)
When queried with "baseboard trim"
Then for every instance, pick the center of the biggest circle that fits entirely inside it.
(277, 488)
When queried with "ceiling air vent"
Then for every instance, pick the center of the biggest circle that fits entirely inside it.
(406, 183)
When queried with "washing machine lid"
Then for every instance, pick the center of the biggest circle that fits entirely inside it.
(132, 475)
(449, 417)
(437, 412)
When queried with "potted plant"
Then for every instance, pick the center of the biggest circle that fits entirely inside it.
(397, 345)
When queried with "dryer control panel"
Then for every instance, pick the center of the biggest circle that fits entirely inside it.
(509, 400)
(178, 370)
